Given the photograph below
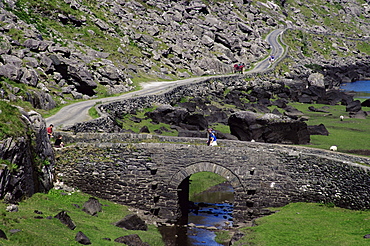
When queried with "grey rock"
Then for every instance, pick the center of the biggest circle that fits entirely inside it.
(65, 219)
(12, 60)
(32, 44)
(82, 238)
(269, 128)
(354, 106)
(168, 114)
(29, 77)
(132, 222)
(131, 240)
(26, 180)
(3, 235)
(318, 130)
(92, 206)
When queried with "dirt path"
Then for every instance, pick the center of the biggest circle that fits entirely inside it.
(78, 112)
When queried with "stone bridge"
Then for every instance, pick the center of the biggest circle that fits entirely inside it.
(151, 172)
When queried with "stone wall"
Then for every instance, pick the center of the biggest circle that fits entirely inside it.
(146, 172)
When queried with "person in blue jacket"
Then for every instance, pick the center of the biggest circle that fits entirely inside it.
(212, 139)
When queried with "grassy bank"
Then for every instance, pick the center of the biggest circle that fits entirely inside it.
(350, 135)
(309, 224)
(202, 181)
(295, 224)
(45, 231)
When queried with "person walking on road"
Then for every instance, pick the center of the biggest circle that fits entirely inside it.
(272, 59)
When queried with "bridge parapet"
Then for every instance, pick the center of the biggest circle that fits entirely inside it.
(145, 171)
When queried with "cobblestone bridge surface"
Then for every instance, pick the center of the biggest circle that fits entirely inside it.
(145, 171)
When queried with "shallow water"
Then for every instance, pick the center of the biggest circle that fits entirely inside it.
(360, 88)
(210, 209)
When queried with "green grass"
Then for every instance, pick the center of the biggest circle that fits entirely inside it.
(93, 113)
(309, 224)
(202, 181)
(128, 124)
(363, 47)
(46, 232)
(349, 135)
(223, 236)
(10, 121)
(221, 127)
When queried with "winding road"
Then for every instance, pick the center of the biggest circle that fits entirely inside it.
(78, 112)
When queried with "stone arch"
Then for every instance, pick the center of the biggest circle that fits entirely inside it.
(182, 174)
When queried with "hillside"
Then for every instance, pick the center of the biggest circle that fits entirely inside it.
(62, 51)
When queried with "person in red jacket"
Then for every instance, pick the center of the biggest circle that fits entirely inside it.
(50, 131)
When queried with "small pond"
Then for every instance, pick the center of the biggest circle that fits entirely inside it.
(361, 88)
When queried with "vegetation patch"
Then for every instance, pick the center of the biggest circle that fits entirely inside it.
(350, 135)
(202, 181)
(309, 224)
(39, 227)
(136, 122)
(11, 124)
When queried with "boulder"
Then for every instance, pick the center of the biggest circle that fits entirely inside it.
(197, 120)
(318, 130)
(41, 100)
(354, 106)
(321, 110)
(131, 240)
(217, 117)
(92, 206)
(366, 103)
(316, 91)
(144, 129)
(168, 115)
(334, 97)
(132, 222)
(304, 98)
(10, 71)
(358, 115)
(189, 106)
(82, 238)
(65, 219)
(280, 103)
(3, 235)
(292, 112)
(269, 128)
(316, 79)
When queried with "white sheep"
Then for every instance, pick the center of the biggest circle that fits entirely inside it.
(333, 148)
(341, 117)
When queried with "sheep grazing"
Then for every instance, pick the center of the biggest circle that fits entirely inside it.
(341, 117)
(333, 148)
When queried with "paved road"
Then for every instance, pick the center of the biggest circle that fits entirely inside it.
(78, 112)
(276, 49)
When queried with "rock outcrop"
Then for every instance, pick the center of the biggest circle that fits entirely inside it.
(269, 128)
(30, 161)
(207, 105)
(83, 54)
